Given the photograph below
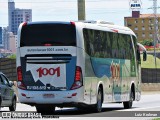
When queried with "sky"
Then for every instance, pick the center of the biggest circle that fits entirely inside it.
(66, 10)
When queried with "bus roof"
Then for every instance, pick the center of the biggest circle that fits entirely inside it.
(100, 25)
(107, 26)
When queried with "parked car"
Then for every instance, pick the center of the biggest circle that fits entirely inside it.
(7, 95)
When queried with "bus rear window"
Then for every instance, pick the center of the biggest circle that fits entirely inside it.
(48, 35)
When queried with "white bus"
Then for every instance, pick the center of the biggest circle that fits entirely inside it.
(77, 64)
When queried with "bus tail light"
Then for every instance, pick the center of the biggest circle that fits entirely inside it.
(20, 83)
(72, 23)
(24, 24)
(47, 44)
(78, 78)
(19, 73)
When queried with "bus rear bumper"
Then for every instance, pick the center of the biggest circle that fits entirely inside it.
(51, 97)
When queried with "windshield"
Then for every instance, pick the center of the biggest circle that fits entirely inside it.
(48, 35)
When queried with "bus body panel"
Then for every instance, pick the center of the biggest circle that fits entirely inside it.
(56, 97)
(38, 75)
(96, 71)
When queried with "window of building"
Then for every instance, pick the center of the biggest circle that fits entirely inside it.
(150, 27)
(136, 28)
(143, 28)
(143, 21)
(150, 35)
(143, 34)
(136, 21)
(129, 25)
(156, 27)
(150, 20)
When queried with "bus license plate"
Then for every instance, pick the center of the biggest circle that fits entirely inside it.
(48, 95)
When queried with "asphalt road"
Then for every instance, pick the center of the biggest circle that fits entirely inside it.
(148, 105)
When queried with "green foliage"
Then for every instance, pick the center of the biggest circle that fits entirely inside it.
(147, 42)
(13, 56)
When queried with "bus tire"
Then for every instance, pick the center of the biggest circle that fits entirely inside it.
(45, 109)
(128, 104)
(98, 105)
(13, 106)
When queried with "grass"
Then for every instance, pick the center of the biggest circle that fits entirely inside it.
(156, 119)
(150, 63)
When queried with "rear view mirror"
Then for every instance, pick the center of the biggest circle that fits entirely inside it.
(142, 48)
(11, 83)
(144, 55)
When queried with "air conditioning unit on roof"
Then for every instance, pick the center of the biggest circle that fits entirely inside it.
(104, 22)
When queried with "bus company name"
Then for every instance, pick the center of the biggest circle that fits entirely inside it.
(46, 49)
(48, 71)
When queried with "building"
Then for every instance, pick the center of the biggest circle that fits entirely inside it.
(17, 16)
(9, 40)
(0, 35)
(5, 38)
(142, 25)
(1, 38)
(12, 42)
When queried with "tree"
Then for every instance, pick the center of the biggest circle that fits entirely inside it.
(13, 56)
(147, 42)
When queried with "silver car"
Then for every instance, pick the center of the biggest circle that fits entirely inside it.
(7, 95)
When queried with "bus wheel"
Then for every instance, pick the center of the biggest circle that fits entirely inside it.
(45, 109)
(98, 105)
(129, 103)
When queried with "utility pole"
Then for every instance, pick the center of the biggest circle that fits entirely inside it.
(155, 29)
(81, 10)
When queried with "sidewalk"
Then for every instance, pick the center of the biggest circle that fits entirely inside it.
(150, 92)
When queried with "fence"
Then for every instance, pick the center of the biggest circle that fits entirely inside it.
(150, 75)
(8, 67)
